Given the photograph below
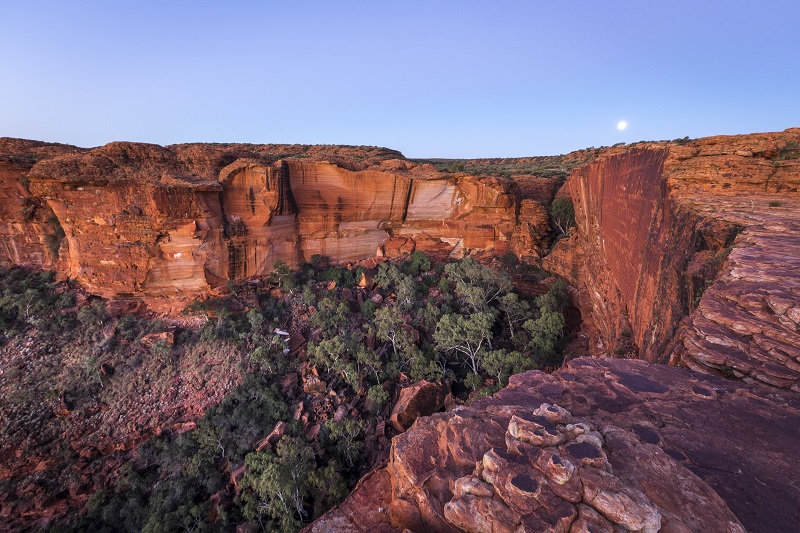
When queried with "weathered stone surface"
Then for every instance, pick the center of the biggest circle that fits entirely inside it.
(365, 510)
(420, 399)
(28, 232)
(656, 243)
(645, 447)
(168, 224)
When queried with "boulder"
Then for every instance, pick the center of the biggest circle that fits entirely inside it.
(420, 399)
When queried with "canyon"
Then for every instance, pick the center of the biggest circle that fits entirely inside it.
(163, 226)
(684, 263)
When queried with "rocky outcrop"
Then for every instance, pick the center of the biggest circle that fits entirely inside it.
(168, 224)
(29, 232)
(656, 259)
(420, 399)
(601, 445)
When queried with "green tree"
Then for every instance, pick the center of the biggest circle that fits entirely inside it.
(407, 293)
(477, 285)
(515, 310)
(562, 213)
(389, 328)
(466, 336)
(283, 276)
(502, 364)
(345, 439)
(388, 275)
(331, 316)
(332, 354)
(417, 263)
(280, 483)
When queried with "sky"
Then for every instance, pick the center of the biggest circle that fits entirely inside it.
(450, 79)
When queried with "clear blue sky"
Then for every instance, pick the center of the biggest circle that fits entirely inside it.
(429, 78)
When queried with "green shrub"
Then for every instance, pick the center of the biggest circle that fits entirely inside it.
(417, 263)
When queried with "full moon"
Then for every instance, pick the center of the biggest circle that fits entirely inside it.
(621, 125)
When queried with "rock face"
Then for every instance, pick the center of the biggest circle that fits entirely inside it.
(421, 399)
(689, 250)
(28, 228)
(601, 445)
(166, 224)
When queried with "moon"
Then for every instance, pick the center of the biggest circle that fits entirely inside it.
(622, 125)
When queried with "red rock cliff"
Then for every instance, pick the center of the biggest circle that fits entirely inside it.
(168, 224)
(656, 258)
(28, 228)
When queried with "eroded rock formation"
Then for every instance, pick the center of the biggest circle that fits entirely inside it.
(29, 232)
(690, 251)
(600, 445)
(167, 224)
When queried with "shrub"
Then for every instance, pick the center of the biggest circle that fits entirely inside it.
(368, 308)
(417, 263)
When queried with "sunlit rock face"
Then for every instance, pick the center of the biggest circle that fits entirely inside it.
(599, 445)
(260, 218)
(136, 221)
(690, 250)
(168, 224)
(346, 215)
(28, 234)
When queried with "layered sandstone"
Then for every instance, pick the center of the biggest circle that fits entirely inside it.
(29, 231)
(601, 445)
(656, 259)
(168, 224)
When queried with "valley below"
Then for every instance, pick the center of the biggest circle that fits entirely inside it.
(220, 337)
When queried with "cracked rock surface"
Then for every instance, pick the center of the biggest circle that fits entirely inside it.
(600, 445)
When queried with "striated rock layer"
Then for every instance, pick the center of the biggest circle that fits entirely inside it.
(29, 232)
(690, 252)
(168, 224)
(601, 445)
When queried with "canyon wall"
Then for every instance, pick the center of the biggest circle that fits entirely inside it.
(688, 251)
(168, 224)
(29, 232)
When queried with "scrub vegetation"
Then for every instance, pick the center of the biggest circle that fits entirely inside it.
(325, 401)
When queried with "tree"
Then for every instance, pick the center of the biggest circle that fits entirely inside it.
(330, 353)
(477, 285)
(406, 292)
(345, 439)
(502, 364)
(388, 274)
(545, 332)
(515, 310)
(331, 316)
(283, 276)
(562, 213)
(417, 263)
(389, 328)
(467, 336)
(280, 483)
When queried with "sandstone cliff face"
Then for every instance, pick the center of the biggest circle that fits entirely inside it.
(135, 220)
(658, 224)
(601, 445)
(168, 224)
(28, 230)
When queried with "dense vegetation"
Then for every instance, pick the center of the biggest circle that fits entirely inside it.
(459, 323)
(542, 166)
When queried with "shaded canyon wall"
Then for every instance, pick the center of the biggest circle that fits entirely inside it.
(689, 253)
